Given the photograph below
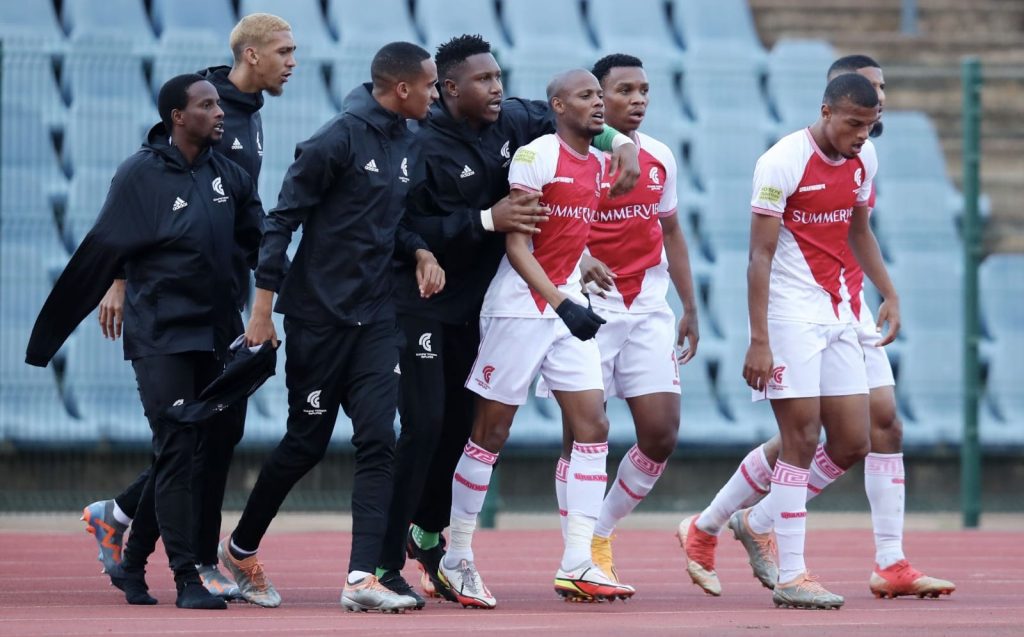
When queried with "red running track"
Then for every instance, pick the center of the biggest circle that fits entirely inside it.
(50, 585)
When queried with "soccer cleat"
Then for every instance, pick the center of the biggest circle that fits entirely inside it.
(760, 548)
(393, 581)
(699, 548)
(903, 579)
(252, 582)
(217, 583)
(601, 553)
(132, 584)
(805, 592)
(588, 583)
(428, 561)
(109, 533)
(369, 594)
(465, 584)
(195, 595)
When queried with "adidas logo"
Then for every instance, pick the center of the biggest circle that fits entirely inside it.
(179, 203)
(466, 172)
(371, 166)
(236, 145)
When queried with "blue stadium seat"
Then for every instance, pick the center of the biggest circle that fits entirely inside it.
(103, 136)
(797, 71)
(308, 23)
(215, 18)
(105, 74)
(720, 78)
(702, 420)
(181, 52)
(548, 37)
(122, 19)
(1002, 280)
(723, 147)
(23, 193)
(1002, 413)
(31, 257)
(909, 148)
(727, 22)
(724, 220)
(916, 214)
(930, 286)
(282, 130)
(29, 83)
(929, 385)
(101, 387)
(27, 143)
(86, 194)
(643, 29)
(30, 22)
(441, 20)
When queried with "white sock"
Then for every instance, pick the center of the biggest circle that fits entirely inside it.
(760, 518)
(121, 516)
(584, 493)
(354, 577)
(885, 485)
(561, 471)
(634, 480)
(823, 473)
(788, 504)
(747, 486)
(469, 488)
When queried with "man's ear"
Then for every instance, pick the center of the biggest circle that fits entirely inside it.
(177, 117)
(557, 105)
(450, 87)
(402, 90)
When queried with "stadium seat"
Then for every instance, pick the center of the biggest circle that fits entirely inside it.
(27, 142)
(720, 78)
(930, 384)
(916, 214)
(30, 22)
(308, 23)
(797, 71)
(930, 286)
(725, 22)
(723, 223)
(98, 19)
(702, 420)
(548, 37)
(102, 73)
(23, 193)
(186, 52)
(1002, 414)
(440, 20)
(29, 83)
(642, 29)
(103, 136)
(86, 195)
(723, 147)
(31, 257)
(215, 18)
(1002, 279)
(909, 148)
(282, 131)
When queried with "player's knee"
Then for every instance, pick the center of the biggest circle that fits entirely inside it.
(850, 452)
(658, 445)
(492, 438)
(591, 429)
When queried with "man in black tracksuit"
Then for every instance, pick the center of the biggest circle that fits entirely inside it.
(461, 209)
(175, 214)
(264, 58)
(347, 188)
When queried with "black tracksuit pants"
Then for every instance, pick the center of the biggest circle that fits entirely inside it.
(437, 417)
(327, 367)
(165, 507)
(214, 452)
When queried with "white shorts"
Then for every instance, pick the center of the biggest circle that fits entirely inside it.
(513, 351)
(814, 360)
(876, 360)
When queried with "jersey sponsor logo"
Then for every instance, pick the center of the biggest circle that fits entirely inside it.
(218, 187)
(562, 180)
(179, 203)
(811, 188)
(770, 194)
(466, 172)
(842, 215)
(371, 166)
(625, 213)
(572, 212)
(790, 515)
(424, 342)
(525, 156)
(313, 400)
(236, 145)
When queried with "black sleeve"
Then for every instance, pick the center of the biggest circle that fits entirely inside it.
(124, 228)
(249, 218)
(539, 119)
(439, 217)
(319, 161)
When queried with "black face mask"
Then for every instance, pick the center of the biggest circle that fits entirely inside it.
(876, 130)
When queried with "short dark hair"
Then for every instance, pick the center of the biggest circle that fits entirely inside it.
(397, 62)
(174, 96)
(455, 51)
(851, 64)
(603, 66)
(851, 86)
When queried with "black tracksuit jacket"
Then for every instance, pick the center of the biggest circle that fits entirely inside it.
(444, 206)
(347, 188)
(172, 228)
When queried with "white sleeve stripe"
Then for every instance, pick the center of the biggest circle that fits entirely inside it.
(666, 213)
(524, 188)
(766, 211)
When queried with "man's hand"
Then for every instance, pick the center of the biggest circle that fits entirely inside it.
(757, 367)
(519, 212)
(429, 275)
(888, 312)
(112, 310)
(582, 322)
(596, 272)
(261, 327)
(625, 161)
(688, 331)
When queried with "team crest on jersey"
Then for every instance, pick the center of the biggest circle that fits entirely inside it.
(775, 382)
(404, 177)
(655, 177)
(218, 187)
(858, 176)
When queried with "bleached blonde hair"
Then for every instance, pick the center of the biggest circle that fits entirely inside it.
(255, 30)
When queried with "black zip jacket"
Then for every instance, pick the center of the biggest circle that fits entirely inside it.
(172, 228)
(466, 171)
(347, 188)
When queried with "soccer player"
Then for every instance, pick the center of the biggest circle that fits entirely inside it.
(347, 188)
(538, 283)
(637, 246)
(883, 476)
(462, 209)
(264, 57)
(173, 217)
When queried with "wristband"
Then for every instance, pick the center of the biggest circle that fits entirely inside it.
(487, 219)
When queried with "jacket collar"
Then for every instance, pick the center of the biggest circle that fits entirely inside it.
(442, 118)
(158, 142)
(246, 102)
(361, 103)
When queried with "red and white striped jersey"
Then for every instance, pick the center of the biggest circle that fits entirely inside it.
(569, 186)
(626, 234)
(814, 196)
